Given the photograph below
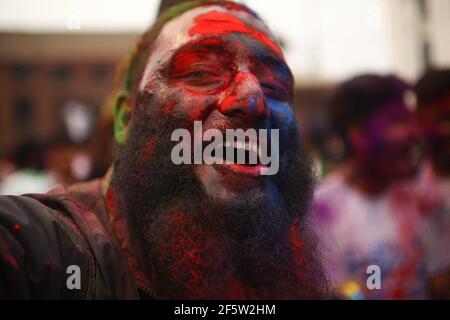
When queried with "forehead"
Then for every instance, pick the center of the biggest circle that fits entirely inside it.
(213, 20)
(202, 22)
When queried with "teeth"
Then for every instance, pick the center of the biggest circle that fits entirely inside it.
(249, 146)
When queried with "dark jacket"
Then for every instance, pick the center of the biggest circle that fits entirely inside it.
(41, 235)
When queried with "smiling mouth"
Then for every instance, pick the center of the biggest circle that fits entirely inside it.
(242, 158)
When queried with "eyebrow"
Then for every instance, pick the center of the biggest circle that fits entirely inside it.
(218, 45)
(202, 45)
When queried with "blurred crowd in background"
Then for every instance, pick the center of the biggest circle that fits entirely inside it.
(380, 140)
(386, 201)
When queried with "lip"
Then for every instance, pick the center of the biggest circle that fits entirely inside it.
(241, 169)
(245, 170)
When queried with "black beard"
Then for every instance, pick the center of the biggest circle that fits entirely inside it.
(194, 248)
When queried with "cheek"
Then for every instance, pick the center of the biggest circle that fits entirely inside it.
(282, 112)
(370, 144)
(193, 106)
(283, 118)
(181, 104)
(377, 134)
(398, 136)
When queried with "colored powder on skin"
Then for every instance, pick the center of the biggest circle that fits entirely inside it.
(220, 23)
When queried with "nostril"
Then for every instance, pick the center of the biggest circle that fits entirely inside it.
(236, 113)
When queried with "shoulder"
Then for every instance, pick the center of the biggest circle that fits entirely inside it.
(85, 204)
(39, 241)
(87, 208)
(67, 226)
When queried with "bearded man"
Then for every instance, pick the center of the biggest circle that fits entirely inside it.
(155, 229)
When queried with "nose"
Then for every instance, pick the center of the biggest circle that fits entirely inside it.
(246, 98)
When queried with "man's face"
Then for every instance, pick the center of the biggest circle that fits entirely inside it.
(391, 147)
(221, 67)
(199, 229)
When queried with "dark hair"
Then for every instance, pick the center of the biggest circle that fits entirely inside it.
(434, 85)
(355, 101)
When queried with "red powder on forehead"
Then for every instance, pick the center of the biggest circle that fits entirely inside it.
(220, 23)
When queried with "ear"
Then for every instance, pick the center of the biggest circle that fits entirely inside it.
(121, 116)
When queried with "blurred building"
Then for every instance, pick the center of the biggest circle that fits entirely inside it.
(42, 78)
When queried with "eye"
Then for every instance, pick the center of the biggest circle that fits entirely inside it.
(202, 74)
(275, 91)
(201, 77)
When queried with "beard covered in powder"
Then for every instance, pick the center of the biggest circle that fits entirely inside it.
(256, 245)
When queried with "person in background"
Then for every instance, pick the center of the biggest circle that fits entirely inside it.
(433, 93)
(365, 211)
(31, 175)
